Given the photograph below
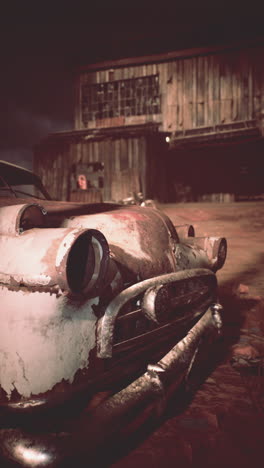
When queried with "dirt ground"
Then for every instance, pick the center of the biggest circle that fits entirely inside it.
(220, 423)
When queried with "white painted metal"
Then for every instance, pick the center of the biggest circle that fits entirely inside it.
(44, 339)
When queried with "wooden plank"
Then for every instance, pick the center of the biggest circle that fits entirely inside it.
(118, 74)
(163, 91)
(143, 167)
(245, 95)
(185, 96)
(171, 97)
(174, 97)
(130, 153)
(242, 105)
(206, 86)
(130, 72)
(115, 187)
(93, 153)
(148, 180)
(125, 73)
(180, 95)
(188, 81)
(122, 73)
(86, 196)
(210, 110)
(125, 183)
(72, 160)
(99, 76)
(239, 88)
(102, 160)
(159, 72)
(38, 167)
(257, 83)
(228, 103)
(53, 178)
(111, 166)
(103, 76)
(222, 90)
(123, 154)
(90, 153)
(216, 90)
(66, 164)
(139, 71)
(136, 153)
(108, 75)
(78, 156)
(149, 69)
(78, 124)
(261, 73)
(59, 177)
(108, 168)
(200, 91)
(250, 88)
(96, 151)
(101, 151)
(85, 153)
(194, 92)
(235, 89)
(65, 174)
(117, 154)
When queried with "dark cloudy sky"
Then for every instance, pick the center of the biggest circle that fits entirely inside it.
(42, 42)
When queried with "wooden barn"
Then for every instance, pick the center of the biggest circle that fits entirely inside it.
(180, 126)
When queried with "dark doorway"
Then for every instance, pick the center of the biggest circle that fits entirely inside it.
(222, 173)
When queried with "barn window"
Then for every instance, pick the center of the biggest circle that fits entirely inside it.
(137, 96)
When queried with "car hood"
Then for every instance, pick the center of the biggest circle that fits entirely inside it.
(65, 208)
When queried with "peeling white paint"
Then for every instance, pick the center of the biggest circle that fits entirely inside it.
(26, 255)
(40, 280)
(65, 246)
(31, 257)
(10, 218)
(43, 340)
(209, 248)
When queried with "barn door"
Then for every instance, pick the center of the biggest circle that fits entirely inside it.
(124, 184)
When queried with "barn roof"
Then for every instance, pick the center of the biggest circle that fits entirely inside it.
(167, 56)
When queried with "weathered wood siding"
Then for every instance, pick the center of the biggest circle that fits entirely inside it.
(124, 162)
(200, 93)
(196, 91)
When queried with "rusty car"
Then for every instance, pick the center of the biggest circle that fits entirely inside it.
(93, 298)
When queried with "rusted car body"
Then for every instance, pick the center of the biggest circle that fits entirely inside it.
(91, 297)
